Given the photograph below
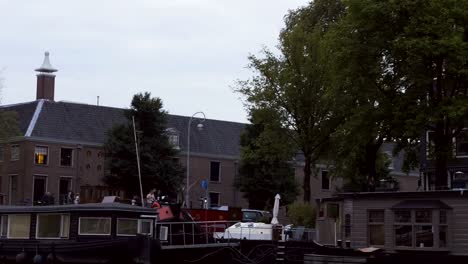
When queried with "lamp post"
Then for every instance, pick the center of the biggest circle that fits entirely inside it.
(199, 127)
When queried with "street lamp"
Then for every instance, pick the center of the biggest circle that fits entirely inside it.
(199, 127)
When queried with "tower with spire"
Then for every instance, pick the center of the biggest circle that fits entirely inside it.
(45, 80)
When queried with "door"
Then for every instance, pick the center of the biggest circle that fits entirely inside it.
(39, 188)
(65, 186)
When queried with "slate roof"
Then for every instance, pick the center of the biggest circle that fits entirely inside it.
(89, 124)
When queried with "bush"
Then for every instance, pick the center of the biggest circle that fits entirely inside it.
(302, 214)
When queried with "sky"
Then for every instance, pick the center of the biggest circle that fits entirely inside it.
(190, 53)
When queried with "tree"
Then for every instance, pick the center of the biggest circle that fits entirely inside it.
(426, 45)
(266, 163)
(294, 84)
(362, 70)
(159, 169)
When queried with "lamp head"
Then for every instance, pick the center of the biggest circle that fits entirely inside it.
(200, 126)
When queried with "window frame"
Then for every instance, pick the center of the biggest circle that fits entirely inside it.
(71, 158)
(375, 224)
(94, 234)
(140, 222)
(465, 155)
(117, 227)
(3, 224)
(219, 170)
(219, 198)
(18, 152)
(61, 236)
(8, 227)
(46, 158)
(434, 224)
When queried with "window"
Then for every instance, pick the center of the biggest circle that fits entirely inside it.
(325, 180)
(13, 189)
(376, 231)
(413, 228)
(66, 157)
(173, 137)
(214, 199)
(145, 226)
(462, 144)
(130, 227)
(94, 226)
(19, 226)
(347, 225)
(127, 227)
(215, 168)
(3, 225)
(14, 152)
(53, 226)
(40, 155)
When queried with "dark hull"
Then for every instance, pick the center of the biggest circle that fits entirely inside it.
(118, 250)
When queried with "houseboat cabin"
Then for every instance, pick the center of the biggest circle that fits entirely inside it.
(432, 221)
(101, 231)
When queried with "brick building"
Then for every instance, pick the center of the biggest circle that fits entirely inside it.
(60, 149)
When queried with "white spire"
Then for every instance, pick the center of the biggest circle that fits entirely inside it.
(46, 66)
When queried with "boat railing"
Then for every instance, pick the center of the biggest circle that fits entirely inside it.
(208, 232)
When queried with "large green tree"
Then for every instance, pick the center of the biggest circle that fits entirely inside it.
(425, 51)
(266, 165)
(159, 169)
(294, 85)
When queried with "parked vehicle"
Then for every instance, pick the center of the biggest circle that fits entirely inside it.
(251, 215)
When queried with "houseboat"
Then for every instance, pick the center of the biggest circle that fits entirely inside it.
(78, 233)
(429, 226)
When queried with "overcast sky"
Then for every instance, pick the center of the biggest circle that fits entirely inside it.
(187, 52)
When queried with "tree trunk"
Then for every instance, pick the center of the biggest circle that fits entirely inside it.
(306, 182)
(372, 148)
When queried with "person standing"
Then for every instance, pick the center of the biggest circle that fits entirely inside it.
(150, 198)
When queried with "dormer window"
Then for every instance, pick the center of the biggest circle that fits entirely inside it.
(173, 137)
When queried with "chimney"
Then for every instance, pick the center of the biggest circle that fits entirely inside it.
(45, 80)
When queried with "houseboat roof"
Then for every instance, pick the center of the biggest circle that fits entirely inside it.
(115, 207)
(382, 195)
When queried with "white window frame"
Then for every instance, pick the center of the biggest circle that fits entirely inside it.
(8, 227)
(91, 234)
(61, 226)
(72, 157)
(219, 170)
(140, 221)
(17, 157)
(34, 157)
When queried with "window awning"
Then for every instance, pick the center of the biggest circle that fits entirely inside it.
(421, 204)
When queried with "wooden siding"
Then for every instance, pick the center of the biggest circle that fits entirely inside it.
(457, 222)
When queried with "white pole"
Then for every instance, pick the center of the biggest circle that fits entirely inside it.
(138, 161)
(187, 187)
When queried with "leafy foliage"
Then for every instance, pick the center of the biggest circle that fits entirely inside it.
(293, 84)
(159, 169)
(302, 214)
(266, 167)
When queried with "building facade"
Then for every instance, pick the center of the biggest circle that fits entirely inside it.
(60, 149)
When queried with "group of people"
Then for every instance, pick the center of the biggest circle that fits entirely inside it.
(49, 199)
(152, 199)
